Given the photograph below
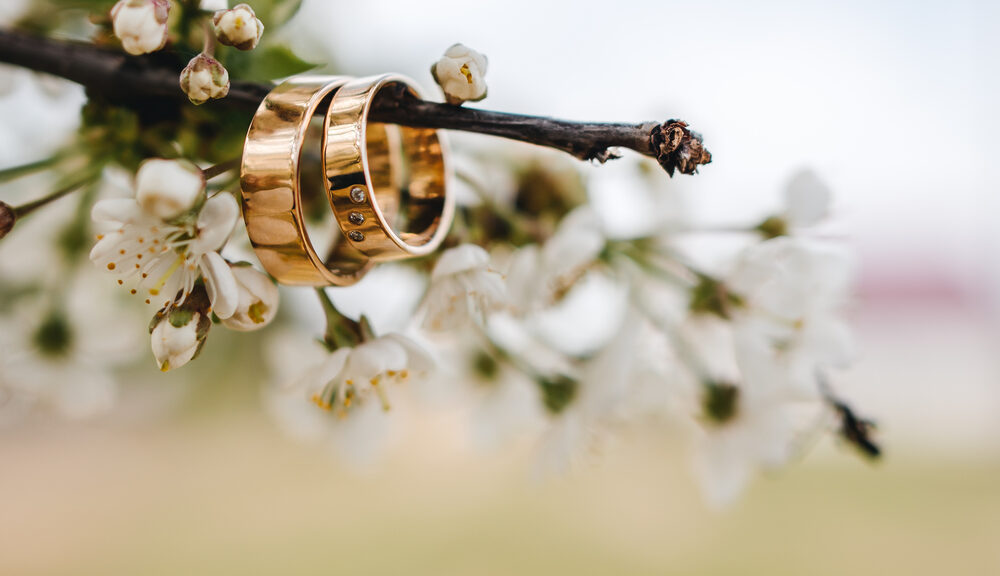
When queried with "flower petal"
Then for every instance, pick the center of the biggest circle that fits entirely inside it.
(216, 223)
(223, 290)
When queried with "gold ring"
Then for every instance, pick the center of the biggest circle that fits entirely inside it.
(378, 223)
(272, 198)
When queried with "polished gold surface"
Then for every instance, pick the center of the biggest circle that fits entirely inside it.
(272, 198)
(381, 220)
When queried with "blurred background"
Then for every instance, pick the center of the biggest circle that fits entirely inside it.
(892, 104)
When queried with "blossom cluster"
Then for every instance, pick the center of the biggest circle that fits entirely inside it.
(143, 27)
(163, 244)
(543, 313)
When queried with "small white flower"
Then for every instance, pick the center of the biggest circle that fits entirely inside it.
(163, 261)
(63, 358)
(460, 74)
(807, 199)
(204, 79)
(541, 276)
(174, 345)
(463, 286)
(744, 419)
(350, 375)
(258, 300)
(168, 188)
(791, 326)
(761, 434)
(141, 25)
(238, 27)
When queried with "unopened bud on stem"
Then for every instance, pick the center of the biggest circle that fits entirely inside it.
(204, 79)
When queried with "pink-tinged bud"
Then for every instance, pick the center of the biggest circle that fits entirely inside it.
(141, 25)
(204, 79)
(238, 27)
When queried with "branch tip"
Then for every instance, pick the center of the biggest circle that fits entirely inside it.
(676, 147)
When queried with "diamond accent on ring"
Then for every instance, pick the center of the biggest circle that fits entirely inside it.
(355, 235)
(357, 194)
(356, 218)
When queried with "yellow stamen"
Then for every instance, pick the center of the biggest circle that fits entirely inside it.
(163, 279)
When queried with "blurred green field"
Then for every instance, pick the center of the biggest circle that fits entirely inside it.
(230, 495)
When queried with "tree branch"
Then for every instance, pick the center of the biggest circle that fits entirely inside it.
(133, 81)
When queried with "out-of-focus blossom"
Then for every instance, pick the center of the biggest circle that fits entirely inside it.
(141, 25)
(807, 203)
(63, 359)
(204, 79)
(352, 375)
(539, 276)
(790, 325)
(238, 27)
(258, 300)
(360, 433)
(460, 73)
(168, 188)
(807, 199)
(463, 287)
(586, 405)
(163, 261)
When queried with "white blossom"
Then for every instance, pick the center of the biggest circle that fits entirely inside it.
(168, 188)
(460, 73)
(141, 25)
(351, 375)
(606, 390)
(342, 382)
(238, 27)
(204, 79)
(791, 325)
(258, 300)
(539, 276)
(738, 423)
(162, 261)
(463, 286)
(62, 359)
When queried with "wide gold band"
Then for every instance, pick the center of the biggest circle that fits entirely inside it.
(383, 226)
(272, 199)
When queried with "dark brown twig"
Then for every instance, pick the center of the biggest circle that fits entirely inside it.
(134, 81)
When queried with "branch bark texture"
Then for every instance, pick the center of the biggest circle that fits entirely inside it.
(135, 80)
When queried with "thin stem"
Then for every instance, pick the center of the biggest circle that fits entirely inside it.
(25, 209)
(221, 168)
(341, 331)
(15, 172)
(209, 44)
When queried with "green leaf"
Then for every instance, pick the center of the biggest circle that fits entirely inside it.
(275, 61)
(278, 12)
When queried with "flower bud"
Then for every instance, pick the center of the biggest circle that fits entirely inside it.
(168, 188)
(204, 79)
(238, 27)
(7, 218)
(258, 300)
(179, 333)
(141, 25)
(460, 74)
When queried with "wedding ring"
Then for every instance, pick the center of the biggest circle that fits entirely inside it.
(377, 221)
(273, 203)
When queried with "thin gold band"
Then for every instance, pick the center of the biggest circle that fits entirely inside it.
(424, 210)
